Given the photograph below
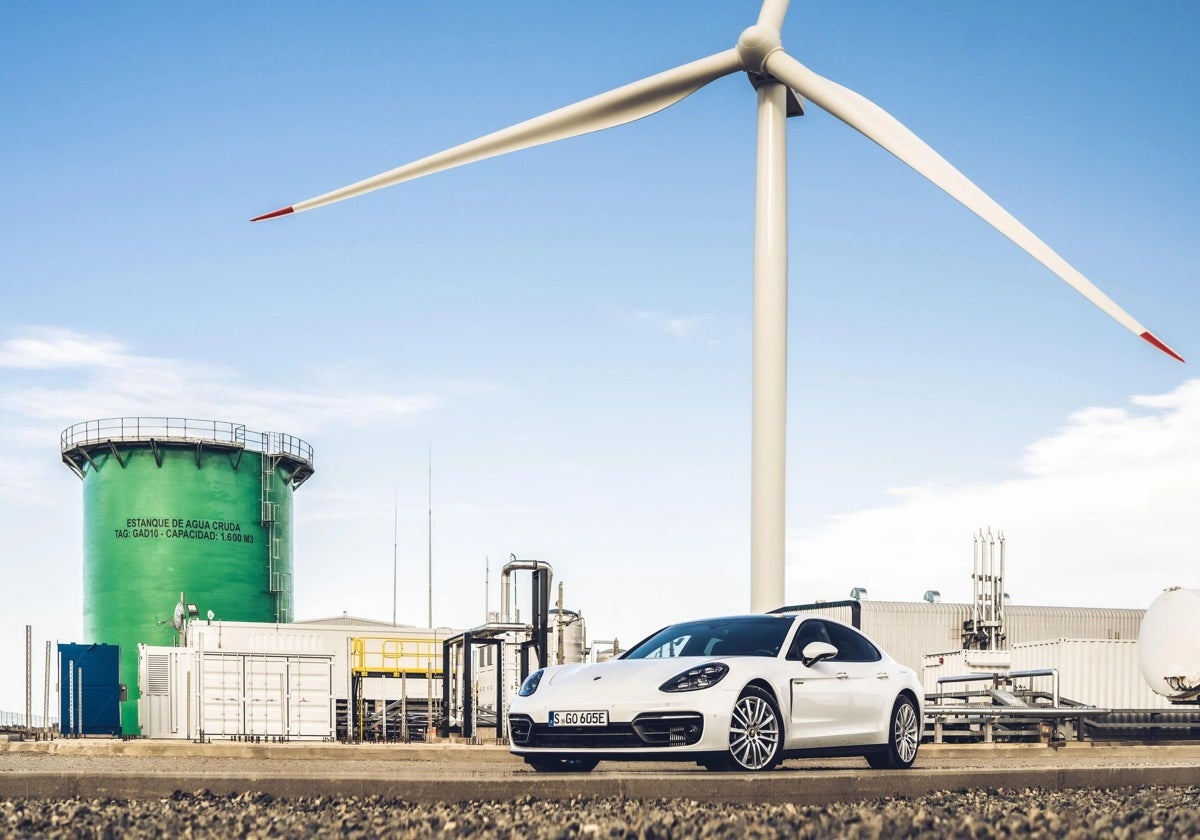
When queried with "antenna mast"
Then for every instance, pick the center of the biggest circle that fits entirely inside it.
(430, 534)
(395, 545)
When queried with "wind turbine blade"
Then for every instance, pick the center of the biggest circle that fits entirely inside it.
(878, 125)
(616, 107)
(772, 13)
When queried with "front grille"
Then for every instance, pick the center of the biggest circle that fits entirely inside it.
(647, 730)
(615, 736)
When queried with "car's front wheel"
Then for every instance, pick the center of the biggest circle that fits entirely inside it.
(755, 734)
(904, 736)
(555, 764)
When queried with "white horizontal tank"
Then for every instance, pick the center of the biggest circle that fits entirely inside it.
(1169, 645)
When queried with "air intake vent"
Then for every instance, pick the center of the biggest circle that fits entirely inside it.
(669, 729)
(520, 727)
(158, 673)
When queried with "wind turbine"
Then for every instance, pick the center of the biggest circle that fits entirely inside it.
(780, 81)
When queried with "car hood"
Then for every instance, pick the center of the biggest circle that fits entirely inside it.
(617, 673)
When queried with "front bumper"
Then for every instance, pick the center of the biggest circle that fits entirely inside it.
(648, 731)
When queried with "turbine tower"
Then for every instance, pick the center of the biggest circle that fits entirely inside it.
(781, 82)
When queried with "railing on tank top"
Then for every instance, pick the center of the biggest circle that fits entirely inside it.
(185, 430)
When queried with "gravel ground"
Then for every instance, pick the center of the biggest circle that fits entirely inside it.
(1145, 812)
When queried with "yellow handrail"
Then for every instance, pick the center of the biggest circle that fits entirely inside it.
(372, 654)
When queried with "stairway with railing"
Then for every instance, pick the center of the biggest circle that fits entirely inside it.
(278, 581)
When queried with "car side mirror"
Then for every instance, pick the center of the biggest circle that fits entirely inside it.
(815, 652)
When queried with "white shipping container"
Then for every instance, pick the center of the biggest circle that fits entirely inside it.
(1098, 672)
(189, 694)
(948, 663)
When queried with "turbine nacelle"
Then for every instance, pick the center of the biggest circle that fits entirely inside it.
(755, 45)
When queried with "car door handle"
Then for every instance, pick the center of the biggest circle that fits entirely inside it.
(842, 675)
(882, 675)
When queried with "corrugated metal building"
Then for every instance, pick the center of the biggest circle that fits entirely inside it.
(911, 630)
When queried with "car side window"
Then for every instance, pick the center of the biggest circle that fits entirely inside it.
(852, 646)
(812, 630)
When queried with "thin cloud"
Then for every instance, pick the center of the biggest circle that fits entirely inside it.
(677, 326)
(1106, 504)
(77, 377)
(96, 376)
(50, 348)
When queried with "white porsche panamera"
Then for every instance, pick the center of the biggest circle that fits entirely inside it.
(737, 693)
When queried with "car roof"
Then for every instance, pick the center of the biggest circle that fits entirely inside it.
(789, 616)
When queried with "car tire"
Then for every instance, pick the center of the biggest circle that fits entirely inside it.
(904, 737)
(755, 734)
(553, 764)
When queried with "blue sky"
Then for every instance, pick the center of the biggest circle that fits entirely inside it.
(568, 328)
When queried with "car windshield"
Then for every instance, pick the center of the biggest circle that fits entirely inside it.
(755, 635)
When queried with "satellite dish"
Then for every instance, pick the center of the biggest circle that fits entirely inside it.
(211, 615)
(177, 619)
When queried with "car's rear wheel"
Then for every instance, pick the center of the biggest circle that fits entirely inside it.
(755, 734)
(556, 764)
(904, 736)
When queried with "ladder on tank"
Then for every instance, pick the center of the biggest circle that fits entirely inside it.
(277, 580)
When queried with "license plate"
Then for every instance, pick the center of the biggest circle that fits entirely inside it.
(593, 718)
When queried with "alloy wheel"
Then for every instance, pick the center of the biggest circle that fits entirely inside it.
(906, 732)
(753, 733)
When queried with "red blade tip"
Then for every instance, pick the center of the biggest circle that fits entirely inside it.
(273, 214)
(1149, 336)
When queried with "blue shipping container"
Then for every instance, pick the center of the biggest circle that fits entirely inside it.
(89, 689)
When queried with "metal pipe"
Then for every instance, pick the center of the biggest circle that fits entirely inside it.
(28, 679)
(46, 695)
(558, 627)
(984, 584)
(404, 706)
(985, 588)
(500, 722)
(975, 580)
(429, 529)
(1001, 585)
(1010, 675)
(511, 566)
(395, 546)
(991, 675)
(70, 729)
(992, 585)
(1016, 712)
(991, 588)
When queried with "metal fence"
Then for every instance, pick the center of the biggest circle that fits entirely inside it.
(16, 720)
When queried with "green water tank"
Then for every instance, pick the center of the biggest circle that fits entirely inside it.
(197, 512)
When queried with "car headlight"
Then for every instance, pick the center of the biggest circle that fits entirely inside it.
(531, 683)
(697, 678)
